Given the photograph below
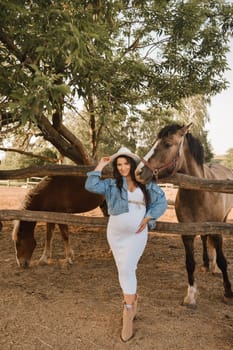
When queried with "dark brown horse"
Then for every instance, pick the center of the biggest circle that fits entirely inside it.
(176, 150)
(55, 194)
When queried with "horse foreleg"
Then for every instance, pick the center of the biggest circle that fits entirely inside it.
(222, 264)
(47, 253)
(190, 298)
(69, 254)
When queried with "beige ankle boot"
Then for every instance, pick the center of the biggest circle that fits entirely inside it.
(128, 317)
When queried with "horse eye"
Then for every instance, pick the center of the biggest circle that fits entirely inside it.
(167, 145)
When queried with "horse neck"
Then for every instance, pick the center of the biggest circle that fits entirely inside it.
(189, 166)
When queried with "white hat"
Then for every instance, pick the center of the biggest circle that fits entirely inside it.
(124, 151)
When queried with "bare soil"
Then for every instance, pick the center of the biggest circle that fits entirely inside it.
(79, 307)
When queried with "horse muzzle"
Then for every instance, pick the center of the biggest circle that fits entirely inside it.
(143, 175)
(23, 263)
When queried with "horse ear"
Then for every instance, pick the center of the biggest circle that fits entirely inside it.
(189, 126)
(186, 128)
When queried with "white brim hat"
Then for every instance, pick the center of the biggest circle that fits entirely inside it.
(124, 151)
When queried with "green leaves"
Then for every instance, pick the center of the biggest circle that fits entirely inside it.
(124, 59)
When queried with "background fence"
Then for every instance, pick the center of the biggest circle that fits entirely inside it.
(29, 182)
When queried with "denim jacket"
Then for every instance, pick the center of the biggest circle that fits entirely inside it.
(117, 201)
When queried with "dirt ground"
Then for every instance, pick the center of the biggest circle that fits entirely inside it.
(79, 307)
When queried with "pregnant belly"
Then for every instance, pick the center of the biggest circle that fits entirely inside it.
(127, 221)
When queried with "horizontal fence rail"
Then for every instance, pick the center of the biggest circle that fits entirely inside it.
(194, 228)
(180, 180)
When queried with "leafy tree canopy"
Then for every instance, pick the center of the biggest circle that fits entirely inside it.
(122, 60)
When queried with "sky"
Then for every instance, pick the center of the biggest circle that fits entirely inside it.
(220, 127)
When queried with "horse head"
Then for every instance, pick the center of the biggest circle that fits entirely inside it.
(164, 158)
(24, 241)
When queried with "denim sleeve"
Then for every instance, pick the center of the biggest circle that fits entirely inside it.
(157, 205)
(94, 183)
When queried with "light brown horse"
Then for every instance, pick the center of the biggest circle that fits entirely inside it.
(176, 150)
(55, 194)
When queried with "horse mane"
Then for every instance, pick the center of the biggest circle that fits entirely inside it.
(195, 147)
(35, 191)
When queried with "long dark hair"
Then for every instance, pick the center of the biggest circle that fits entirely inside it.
(119, 178)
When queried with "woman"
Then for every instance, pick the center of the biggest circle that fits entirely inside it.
(131, 206)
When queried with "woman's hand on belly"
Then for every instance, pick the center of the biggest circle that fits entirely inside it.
(143, 225)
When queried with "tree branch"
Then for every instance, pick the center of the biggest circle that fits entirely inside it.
(63, 146)
(7, 118)
(77, 143)
(24, 59)
(48, 159)
(4, 38)
(69, 136)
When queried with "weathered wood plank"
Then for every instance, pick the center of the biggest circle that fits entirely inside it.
(195, 183)
(181, 180)
(48, 170)
(59, 218)
(193, 228)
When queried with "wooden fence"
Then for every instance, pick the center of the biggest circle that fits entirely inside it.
(180, 180)
(26, 183)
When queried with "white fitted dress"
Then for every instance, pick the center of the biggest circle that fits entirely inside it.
(127, 246)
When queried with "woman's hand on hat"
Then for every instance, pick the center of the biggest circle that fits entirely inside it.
(102, 163)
